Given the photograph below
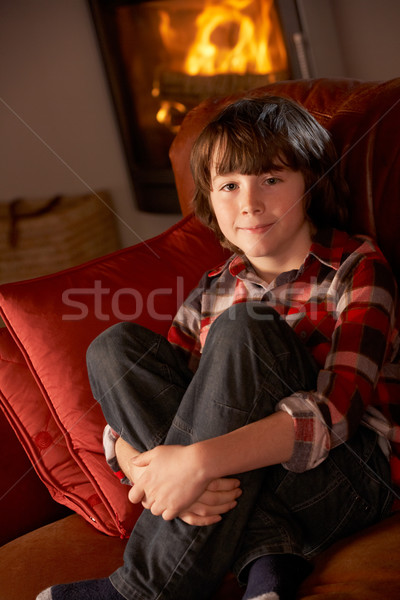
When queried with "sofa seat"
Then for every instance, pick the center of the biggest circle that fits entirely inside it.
(67, 550)
(70, 549)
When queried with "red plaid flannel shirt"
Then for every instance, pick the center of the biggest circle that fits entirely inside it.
(342, 303)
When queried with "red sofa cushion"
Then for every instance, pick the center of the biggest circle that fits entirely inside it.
(19, 485)
(52, 320)
(40, 435)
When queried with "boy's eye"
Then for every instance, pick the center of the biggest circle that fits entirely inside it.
(272, 180)
(229, 187)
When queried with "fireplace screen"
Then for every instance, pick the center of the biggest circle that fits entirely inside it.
(164, 56)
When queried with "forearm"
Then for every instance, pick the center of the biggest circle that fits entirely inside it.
(263, 443)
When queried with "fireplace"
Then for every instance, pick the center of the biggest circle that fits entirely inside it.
(163, 57)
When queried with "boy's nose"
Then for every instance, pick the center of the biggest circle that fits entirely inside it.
(251, 204)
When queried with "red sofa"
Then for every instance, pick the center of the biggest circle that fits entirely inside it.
(63, 515)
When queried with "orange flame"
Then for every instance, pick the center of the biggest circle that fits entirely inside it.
(230, 37)
(230, 41)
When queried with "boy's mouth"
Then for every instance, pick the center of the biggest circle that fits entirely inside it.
(256, 228)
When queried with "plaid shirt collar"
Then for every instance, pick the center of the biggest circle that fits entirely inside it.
(327, 248)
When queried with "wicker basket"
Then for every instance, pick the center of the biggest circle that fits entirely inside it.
(39, 237)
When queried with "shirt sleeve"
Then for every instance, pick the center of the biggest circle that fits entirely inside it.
(109, 439)
(361, 341)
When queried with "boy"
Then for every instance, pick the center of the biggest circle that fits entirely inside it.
(255, 436)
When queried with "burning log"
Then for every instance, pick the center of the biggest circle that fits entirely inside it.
(191, 89)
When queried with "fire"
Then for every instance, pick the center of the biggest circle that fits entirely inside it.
(233, 37)
(227, 37)
(170, 114)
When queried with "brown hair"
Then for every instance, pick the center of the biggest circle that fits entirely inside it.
(251, 136)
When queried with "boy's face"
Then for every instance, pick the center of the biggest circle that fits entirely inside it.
(264, 216)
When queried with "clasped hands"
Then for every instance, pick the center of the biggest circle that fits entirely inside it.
(171, 481)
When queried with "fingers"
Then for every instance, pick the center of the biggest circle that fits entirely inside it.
(136, 495)
(202, 515)
(198, 521)
(206, 510)
(141, 460)
(219, 498)
(223, 484)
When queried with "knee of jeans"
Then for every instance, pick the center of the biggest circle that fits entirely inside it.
(243, 317)
(108, 344)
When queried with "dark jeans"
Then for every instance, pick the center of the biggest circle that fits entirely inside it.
(251, 360)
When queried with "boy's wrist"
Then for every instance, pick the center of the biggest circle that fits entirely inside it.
(201, 461)
(206, 459)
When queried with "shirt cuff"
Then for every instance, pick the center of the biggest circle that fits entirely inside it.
(312, 437)
(109, 439)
